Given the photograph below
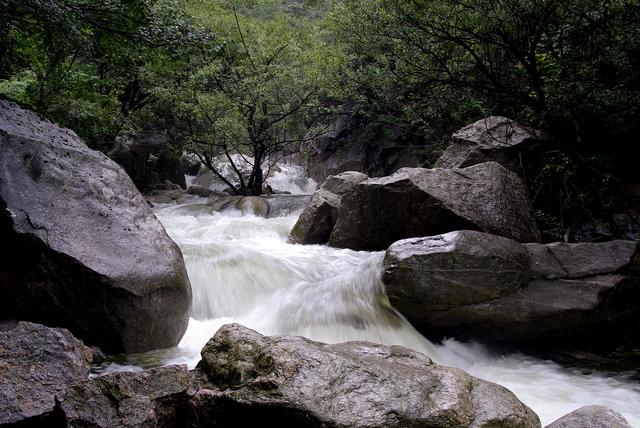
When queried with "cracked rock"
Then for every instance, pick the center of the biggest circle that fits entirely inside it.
(474, 285)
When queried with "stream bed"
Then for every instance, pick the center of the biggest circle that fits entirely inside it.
(242, 270)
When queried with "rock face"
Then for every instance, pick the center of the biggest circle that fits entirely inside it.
(496, 139)
(152, 398)
(304, 383)
(37, 363)
(149, 160)
(591, 417)
(343, 148)
(318, 219)
(622, 223)
(423, 202)
(86, 252)
(475, 285)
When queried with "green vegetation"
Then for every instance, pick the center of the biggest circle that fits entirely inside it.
(259, 77)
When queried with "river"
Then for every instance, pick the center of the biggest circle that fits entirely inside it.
(242, 270)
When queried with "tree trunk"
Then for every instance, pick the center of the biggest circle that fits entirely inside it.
(254, 186)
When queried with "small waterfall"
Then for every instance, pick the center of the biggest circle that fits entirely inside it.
(242, 270)
(282, 177)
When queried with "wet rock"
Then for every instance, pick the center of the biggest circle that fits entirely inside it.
(86, 253)
(316, 222)
(496, 139)
(457, 268)
(591, 417)
(202, 192)
(422, 202)
(478, 286)
(282, 204)
(562, 260)
(37, 363)
(151, 398)
(268, 206)
(299, 382)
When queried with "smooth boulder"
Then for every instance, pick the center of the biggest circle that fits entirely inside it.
(457, 268)
(423, 202)
(478, 286)
(315, 224)
(591, 417)
(297, 382)
(37, 364)
(496, 139)
(86, 251)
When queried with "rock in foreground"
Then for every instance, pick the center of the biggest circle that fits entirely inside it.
(151, 398)
(298, 382)
(591, 417)
(37, 363)
(422, 202)
(86, 252)
(478, 286)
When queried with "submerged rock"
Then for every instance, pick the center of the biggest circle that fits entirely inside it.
(261, 206)
(151, 398)
(496, 139)
(299, 382)
(422, 202)
(315, 224)
(86, 252)
(37, 363)
(591, 417)
(478, 286)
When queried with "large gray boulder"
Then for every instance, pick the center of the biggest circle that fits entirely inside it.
(86, 252)
(422, 202)
(298, 382)
(37, 364)
(150, 398)
(591, 417)
(478, 286)
(315, 224)
(457, 268)
(496, 139)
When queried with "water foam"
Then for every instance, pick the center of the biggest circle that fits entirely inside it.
(242, 270)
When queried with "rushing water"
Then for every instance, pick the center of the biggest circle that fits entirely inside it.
(242, 270)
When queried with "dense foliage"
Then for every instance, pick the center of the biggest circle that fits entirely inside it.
(259, 77)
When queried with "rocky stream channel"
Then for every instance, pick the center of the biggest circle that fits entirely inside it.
(283, 327)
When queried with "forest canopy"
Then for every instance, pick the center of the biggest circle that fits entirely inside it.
(258, 77)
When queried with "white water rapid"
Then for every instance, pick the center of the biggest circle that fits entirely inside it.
(242, 270)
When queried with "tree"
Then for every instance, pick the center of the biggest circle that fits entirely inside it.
(562, 64)
(86, 63)
(255, 98)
